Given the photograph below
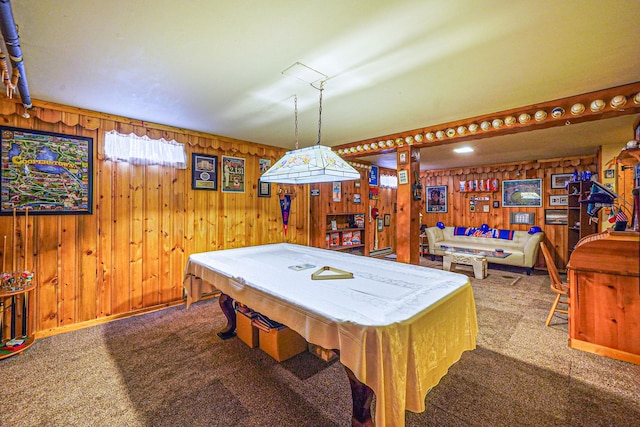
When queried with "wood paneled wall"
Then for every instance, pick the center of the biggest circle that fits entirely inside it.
(131, 252)
(459, 212)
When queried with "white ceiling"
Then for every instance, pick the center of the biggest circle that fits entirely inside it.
(393, 66)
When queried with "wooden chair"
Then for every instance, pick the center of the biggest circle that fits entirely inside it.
(557, 285)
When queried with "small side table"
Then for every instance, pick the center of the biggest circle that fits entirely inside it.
(479, 263)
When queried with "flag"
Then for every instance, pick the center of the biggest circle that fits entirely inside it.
(285, 206)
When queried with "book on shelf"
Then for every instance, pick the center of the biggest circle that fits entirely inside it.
(346, 238)
(334, 239)
(356, 238)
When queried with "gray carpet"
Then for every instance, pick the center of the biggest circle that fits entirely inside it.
(168, 368)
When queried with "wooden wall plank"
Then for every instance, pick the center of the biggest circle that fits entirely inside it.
(104, 211)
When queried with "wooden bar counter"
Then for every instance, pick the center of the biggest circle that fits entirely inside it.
(604, 291)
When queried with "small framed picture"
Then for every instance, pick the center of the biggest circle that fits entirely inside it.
(560, 180)
(610, 173)
(522, 217)
(356, 184)
(555, 216)
(380, 224)
(356, 198)
(337, 191)
(558, 200)
(403, 177)
(264, 189)
(387, 220)
(496, 204)
(403, 157)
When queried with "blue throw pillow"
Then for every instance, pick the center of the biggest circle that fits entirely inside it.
(506, 234)
(459, 231)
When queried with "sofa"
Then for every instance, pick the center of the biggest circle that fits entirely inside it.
(522, 245)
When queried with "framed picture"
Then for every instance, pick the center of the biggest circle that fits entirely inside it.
(337, 191)
(387, 220)
(374, 176)
(522, 217)
(48, 173)
(356, 198)
(403, 177)
(356, 184)
(232, 174)
(264, 189)
(380, 224)
(437, 198)
(558, 200)
(204, 172)
(496, 204)
(264, 164)
(560, 180)
(555, 216)
(610, 173)
(403, 157)
(522, 193)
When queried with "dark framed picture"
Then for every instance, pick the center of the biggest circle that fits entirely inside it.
(380, 224)
(264, 189)
(555, 216)
(522, 193)
(496, 204)
(387, 220)
(48, 173)
(437, 198)
(560, 180)
(233, 174)
(204, 172)
(356, 198)
(522, 218)
(610, 173)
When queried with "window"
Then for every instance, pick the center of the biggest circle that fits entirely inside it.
(142, 150)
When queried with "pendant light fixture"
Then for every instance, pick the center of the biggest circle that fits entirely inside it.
(311, 164)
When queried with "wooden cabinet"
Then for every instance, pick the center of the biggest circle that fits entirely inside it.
(604, 295)
(15, 320)
(579, 222)
(345, 232)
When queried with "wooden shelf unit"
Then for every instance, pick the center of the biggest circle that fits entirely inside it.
(345, 231)
(578, 221)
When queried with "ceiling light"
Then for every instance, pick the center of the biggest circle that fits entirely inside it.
(462, 150)
(311, 164)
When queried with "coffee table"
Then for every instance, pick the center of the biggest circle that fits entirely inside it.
(473, 257)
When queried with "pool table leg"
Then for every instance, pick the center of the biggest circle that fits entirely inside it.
(226, 304)
(362, 396)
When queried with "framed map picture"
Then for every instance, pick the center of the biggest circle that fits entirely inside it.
(49, 173)
(232, 174)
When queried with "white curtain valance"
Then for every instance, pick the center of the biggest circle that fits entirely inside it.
(142, 150)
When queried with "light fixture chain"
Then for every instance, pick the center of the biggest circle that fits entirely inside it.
(295, 102)
(320, 114)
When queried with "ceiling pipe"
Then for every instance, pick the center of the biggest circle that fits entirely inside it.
(12, 41)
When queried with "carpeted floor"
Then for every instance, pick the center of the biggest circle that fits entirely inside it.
(168, 368)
